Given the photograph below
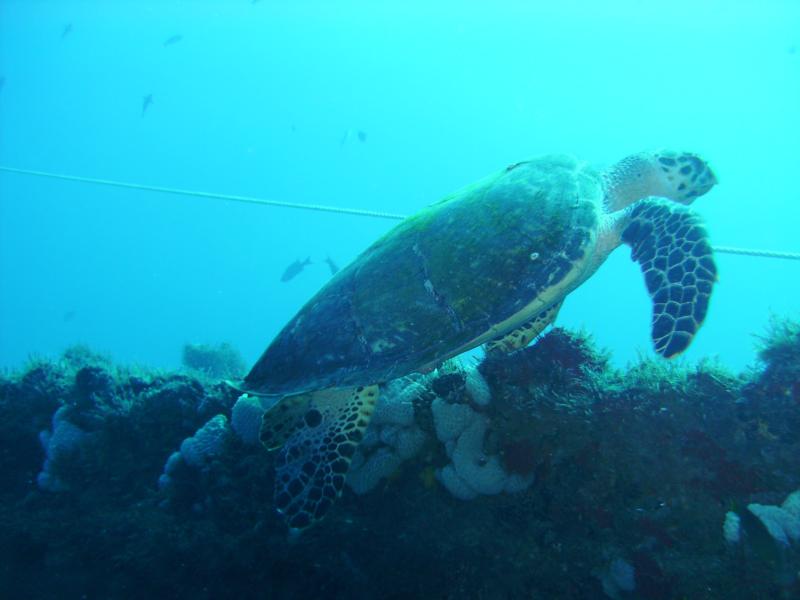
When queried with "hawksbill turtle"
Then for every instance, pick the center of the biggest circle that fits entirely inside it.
(488, 265)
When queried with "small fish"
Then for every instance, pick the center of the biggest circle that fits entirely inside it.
(67, 30)
(173, 40)
(353, 134)
(332, 265)
(146, 102)
(294, 269)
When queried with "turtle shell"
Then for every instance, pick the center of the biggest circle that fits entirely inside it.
(439, 281)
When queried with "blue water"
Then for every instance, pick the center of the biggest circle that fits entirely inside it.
(257, 97)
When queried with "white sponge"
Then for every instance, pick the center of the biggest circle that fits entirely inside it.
(368, 472)
(462, 431)
(732, 528)
(484, 474)
(454, 484)
(391, 438)
(61, 445)
(792, 504)
(450, 420)
(477, 388)
(409, 441)
(246, 417)
(396, 404)
(206, 443)
(781, 524)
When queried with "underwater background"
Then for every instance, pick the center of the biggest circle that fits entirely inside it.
(583, 466)
(262, 99)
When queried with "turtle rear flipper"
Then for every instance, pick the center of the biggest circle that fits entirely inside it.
(672, 248)
(525, 333)
(318, 432)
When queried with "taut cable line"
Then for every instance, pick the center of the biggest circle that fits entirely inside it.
(316, 207)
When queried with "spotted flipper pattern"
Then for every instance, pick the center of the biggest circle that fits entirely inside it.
(319, 432)
(283, 420)
(524, 335)
(672, 248)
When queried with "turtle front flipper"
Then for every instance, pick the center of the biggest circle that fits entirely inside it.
(672, 247)
(318, 432)
(525, 334)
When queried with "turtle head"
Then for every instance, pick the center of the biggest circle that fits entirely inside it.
(679, 176)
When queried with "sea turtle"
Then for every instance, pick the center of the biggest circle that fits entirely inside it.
(490, 264)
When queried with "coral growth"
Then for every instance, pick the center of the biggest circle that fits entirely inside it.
(220, 361)
(664, 480)
(779, 352)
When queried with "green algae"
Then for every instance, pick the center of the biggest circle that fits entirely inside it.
(221, 361)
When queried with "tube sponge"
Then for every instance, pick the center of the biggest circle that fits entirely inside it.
(477, 387)
(482, 473)
(792, 504)
(366, 473)
(448, 477)
(472, 472)
(409, 441)
(620, 577)
(246, 417)
(62, 444)
(782, 524)
(450, 420)
(171, 467)
(206, 443)
(196, 451)
(732, 528)
(396, 404)
(391, 438)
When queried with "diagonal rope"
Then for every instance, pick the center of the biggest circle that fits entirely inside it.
(231, 198)
(754, 252)
(317, 207)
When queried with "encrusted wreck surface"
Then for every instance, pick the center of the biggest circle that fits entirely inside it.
(633, 474)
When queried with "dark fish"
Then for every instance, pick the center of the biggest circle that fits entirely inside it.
(294, 269)
(146, 102)
(67, 30)
(353, 134)
(173, 40)
(332, 265)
